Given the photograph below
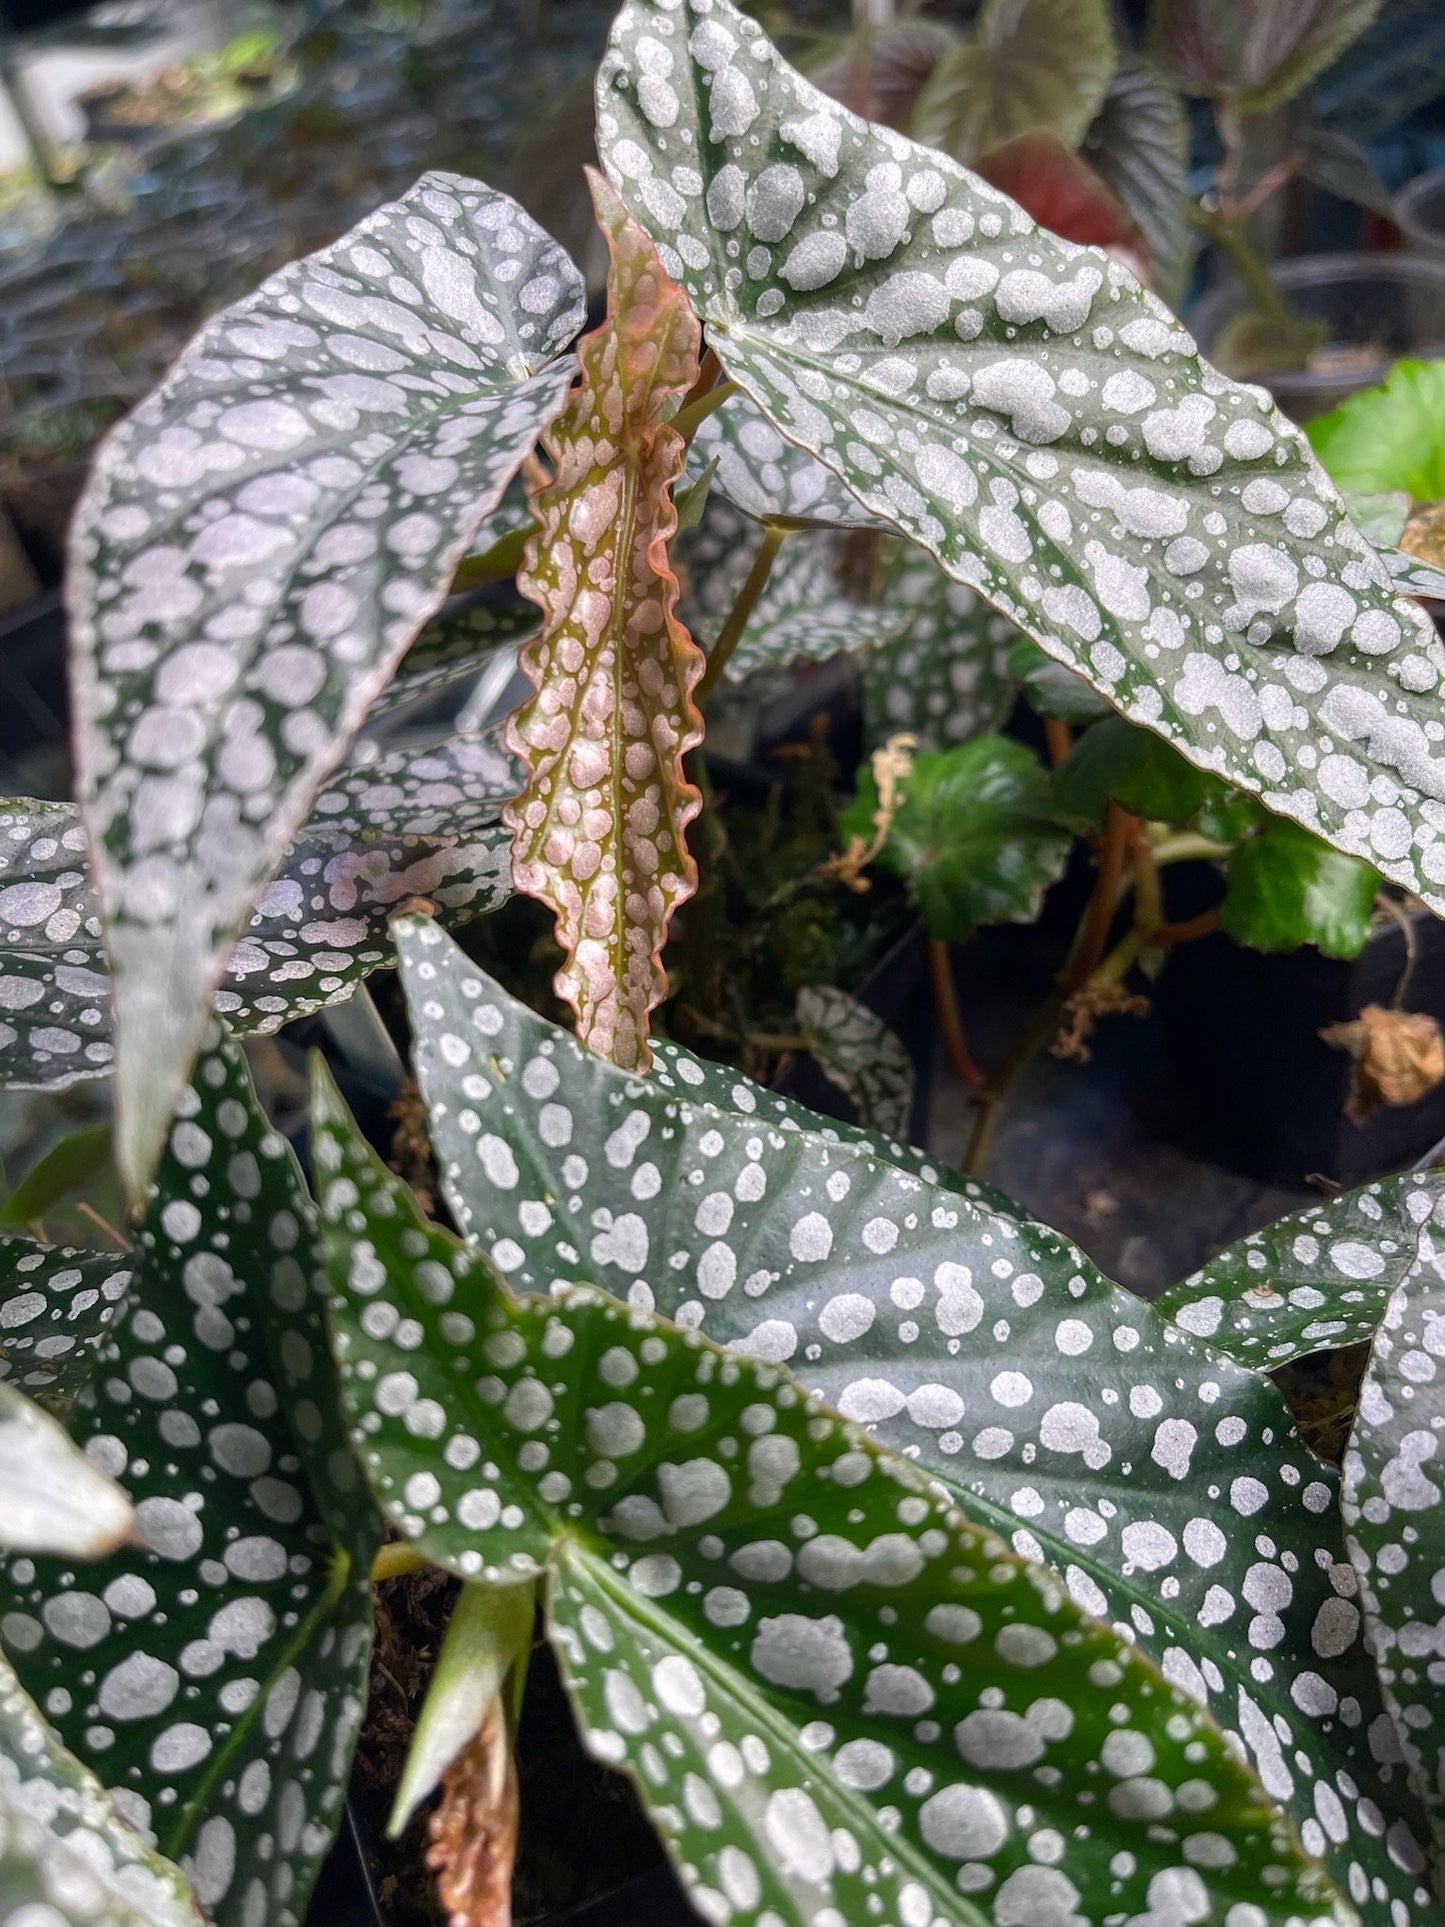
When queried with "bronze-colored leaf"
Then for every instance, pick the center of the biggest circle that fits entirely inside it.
(600, 832)
(474, 1828)
(1399, 1057)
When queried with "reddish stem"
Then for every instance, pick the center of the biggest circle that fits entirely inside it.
(950, 1020)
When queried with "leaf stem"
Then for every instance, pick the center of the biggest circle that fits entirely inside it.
(395, 1559)
(1119, 832)
(1058, 739)
(991, 1101)
(731, 633)
(1189, 846)
(1190, 929)
(690, 417)
(950, 1018)
(103, 1224)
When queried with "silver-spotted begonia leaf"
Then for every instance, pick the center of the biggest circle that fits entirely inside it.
(52, 1498)
(67, 1857)
(1394, 1500)
(1162, 1481)
(467, 633)
(944, 676)
(825, 1678)
(857, 1051)
(258, 546)
(56, 1305)
(214, 1673)
(771, 478)
(1024, 410)
(420, 822)
(1312, 1282)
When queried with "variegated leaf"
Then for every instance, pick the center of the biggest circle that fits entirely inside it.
(52, 1498)
(600, 831)
(944, 676)
(57, 1307)
(257, 548)
(857, 1051)
(771, 478)
(1024, 410)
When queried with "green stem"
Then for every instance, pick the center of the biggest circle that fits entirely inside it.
(690, 418)
(1252, 272)
(1189, 846)
(732, 630)
(991, 1101)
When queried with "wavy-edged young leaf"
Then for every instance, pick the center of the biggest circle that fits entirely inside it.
(257, 547)
(1392, 1496)
(59, 1304)
(754, 1605)
(1138, 143)
(976, 837)
(1314, 1281)
(1164, 1483)
(944, 676)
(600, 832)
(1390, 437)
(67, 1856)
(1286, 887)
(771, 478)
(225, 1653)
(1255, 54)
(856, 1050)
(1025, 411)
(1026, 65)
(52, 1498)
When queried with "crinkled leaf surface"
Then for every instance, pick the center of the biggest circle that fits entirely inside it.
(600, 831)
(1392, 1502)
(1285, 887)
(857, 1051)
(1138, 143)
(67, 1858)
(58, 1305)
(976, 836)
(755, 1606)
(944, 676)
(215, 1672)
(1027, 413)
(1254, 53)
(258, 545)
(1027, 64)
(52, 1498)
(1161, 1480)
(1312, 1282)
(1390, 437)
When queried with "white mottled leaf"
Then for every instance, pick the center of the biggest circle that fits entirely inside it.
(58, 1304)
(770, 478)
(258, 546)
(945, 675)
(52, 1499)
(857, 1051)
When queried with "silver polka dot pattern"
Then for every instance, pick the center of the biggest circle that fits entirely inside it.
(58, 1305)
(857, 1051)
(945, 677)
(770, 478)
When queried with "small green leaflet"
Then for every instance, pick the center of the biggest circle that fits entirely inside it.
(59, 1304)
(1389, 438)
(257, 548)
(1286, 887)
(67, 1857)
(67, 1167)
(215, 1671)
(52, 1499)
(1022, 409)
(1312, 1282)
(782, 1630)
(1161, 1481)
(857, 1051)
(944, 677)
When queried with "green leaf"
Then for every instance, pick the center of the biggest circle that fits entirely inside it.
(225, 1655)
(754, 1606)
(1392, 1497)
(466, 632)
(1052, 689)
(1164, 1483)
(857, 1051)
(1135, 769)
(1381, 516)
(1023, 410)
(52, 1499)
(1285, 888)
(1138, 143)
(1254, 54)
(60, 1305)
(66, 1167)
(772, 479)
(256, 549)
(945, 676)
(1390, 438)
(1028, 64)
(1315, 1281)
(976, 837)
(67, 1858)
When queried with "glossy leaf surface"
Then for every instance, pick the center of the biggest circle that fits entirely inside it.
(857, 1051)
(1286, 888)
(944, 676)
(258, 546)
(755, 1606)
(600, 830)
(1026, 65)
(215, 1672)
(52, 1499)
(1164, 1483)
(1027, 413)
(59, 1304)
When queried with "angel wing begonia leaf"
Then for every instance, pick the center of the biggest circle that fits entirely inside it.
(600, 831)
(1024, 410)
(257, 547)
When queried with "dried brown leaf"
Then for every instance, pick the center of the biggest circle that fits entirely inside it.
(1424, 534)
(474, 1828)
(1399, 1057)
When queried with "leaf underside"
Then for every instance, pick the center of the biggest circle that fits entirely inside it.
(257, 547)
(600, 831)
(1022, 409)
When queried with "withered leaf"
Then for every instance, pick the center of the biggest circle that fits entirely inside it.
(474, 1828)
(1399, 1057)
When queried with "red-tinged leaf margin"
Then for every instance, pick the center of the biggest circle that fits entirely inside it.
(599, 833)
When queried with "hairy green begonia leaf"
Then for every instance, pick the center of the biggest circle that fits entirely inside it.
(1285, 887)
(1391, 437)
(976, 838)
(1021, 408)
(856, 1050)
(1138, 144)
(944, 677)
(1315, 1281)
(59, 1304)
(1254, 54)
(1392, 1499)
(214, 1672)
(52, 1498)
(1136, 769)
(825, 1678)
(257, 548)
(1026, 64)
(67, 1857)
(1163, 1482)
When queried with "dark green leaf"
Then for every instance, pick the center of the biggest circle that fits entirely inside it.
(1390, 438)
(754, 1606)
(1138, 143)
(1052, 689)
(1027, 64)
(66, 1167)
(1138, 770)
(225, 1663)
(944, 676)
(1254, 53)
(58, 1306)
(1287, 888)
(857, 1051)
